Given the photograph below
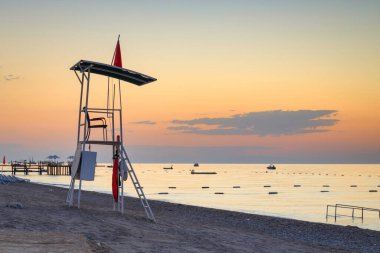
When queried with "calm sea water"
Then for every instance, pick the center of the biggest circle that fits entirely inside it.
(305, 202)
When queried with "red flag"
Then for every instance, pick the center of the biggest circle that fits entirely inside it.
(3, 160)
(117, 60)
(115, 178)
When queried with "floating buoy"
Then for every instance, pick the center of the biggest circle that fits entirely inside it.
(163, 193)
(325, 191)
(272, 193)
(266, 186)
(219, 193)
(205, 187)
(172, 187)
(297, 185)
(354, 185)
(236, 186)
(372, 190)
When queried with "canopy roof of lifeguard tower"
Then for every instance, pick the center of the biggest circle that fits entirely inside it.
(113, 71)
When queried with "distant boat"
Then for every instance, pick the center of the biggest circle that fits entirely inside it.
(203, 172)
(168, 168)
(271, 167)
(196, 164)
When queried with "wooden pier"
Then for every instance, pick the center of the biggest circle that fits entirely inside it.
(53, 169)
(27, 168)
(58, 169)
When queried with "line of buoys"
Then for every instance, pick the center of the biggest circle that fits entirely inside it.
(297, 185)
(272, 193)
(266, 186)
(236, 186)
(172, 187)
(162, 193)
(372, 190)
(219, 193)
(205, 187)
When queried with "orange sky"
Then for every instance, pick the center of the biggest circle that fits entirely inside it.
(211, 61)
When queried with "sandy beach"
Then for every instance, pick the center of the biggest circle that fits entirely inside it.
(44, 223)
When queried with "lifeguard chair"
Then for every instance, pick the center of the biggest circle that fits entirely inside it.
(109, 120)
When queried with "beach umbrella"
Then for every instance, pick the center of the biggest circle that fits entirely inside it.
(70, 158)
(53, 157)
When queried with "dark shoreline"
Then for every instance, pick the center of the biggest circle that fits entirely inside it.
(179, 227)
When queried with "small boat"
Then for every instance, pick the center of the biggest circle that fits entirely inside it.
(203, 172)
(168, 168)
(196, 164)
(271, 167)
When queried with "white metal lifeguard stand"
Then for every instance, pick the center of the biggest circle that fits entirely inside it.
(83, 166)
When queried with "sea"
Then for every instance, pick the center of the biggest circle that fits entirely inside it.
(296, 191)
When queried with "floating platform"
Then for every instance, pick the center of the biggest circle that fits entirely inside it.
(203, 172)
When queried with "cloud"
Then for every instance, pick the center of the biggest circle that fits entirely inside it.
(11, 77)
(144, 122)
(263, 123)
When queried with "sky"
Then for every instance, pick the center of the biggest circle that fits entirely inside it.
(238, 81)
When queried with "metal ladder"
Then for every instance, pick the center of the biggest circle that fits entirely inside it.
(136, 184)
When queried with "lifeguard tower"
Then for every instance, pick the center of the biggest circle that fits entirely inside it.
(109, 121)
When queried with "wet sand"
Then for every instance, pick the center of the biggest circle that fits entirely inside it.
(46, 222)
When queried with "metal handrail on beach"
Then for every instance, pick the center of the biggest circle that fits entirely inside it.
(353, 208)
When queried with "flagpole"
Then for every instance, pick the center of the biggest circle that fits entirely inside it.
(108, 89)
